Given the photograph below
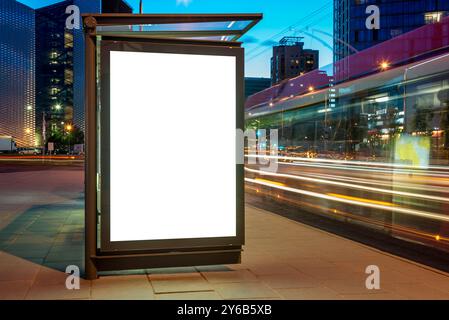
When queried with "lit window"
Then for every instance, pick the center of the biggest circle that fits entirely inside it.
(433, 17)
(395, 32)
(68, 76)
(68, 40)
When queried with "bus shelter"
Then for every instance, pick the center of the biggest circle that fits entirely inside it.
(164, 98)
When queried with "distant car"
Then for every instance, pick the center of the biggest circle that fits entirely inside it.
(29, 151)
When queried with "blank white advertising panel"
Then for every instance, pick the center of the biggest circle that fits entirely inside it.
(172, 146)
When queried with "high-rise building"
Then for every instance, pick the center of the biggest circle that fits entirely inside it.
(60, 63)
(59, 66)
(290, 59)
(17, 65)
(116, 6)
(396, 17)
(254, 85)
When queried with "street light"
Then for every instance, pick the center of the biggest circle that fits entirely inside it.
(384, 65)
(69, 128)
(58, 107)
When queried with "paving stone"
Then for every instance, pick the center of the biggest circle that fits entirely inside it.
(351, 285)
(378, 296)
(131, 287)
(62, 265)
(72, 228)
(245, 290)
(65, 253)
(270, 269)
(183, 282)
(57, 292)
(11, 272)
(34, 239)
(417, 291)
(14, 290)
(28, 251)
(49, 276)
(229, 276)
(289, 281)
(320, 293)
(201, 295)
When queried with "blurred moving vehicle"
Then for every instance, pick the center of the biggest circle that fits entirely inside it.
(372, 152)
(7, 144)
(29, 151)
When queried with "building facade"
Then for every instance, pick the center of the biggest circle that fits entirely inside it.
(254, 85)
(17, 65)
(116, 6)
(396, 17)
(60, 64)
(60, 67)
(290, 59)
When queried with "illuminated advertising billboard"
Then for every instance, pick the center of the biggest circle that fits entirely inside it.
(169, 172)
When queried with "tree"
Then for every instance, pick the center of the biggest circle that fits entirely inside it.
(64, 138)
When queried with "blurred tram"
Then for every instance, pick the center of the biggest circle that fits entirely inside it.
(371, 151)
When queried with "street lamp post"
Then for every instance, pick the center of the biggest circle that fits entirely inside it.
(69, 130)
(44, 133)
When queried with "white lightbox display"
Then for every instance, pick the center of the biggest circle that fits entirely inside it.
(172, 152)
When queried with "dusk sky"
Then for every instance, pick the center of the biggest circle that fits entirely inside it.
(311, 19)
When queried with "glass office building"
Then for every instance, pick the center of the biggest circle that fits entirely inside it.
(396, 17)
(17, 69)
(254, 85)
(60, 67)
(60, 63)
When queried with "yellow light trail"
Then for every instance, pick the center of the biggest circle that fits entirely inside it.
(413, 212)
(349, 185)
(335, 212)
(269, 181)
(395, 184)
(382, 203)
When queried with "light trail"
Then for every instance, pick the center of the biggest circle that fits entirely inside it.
(348, 185)
(342, 196)
(378, 183)
(341, 214)
(363, 163)
(366, 169)
(269, 181)
(422, 214)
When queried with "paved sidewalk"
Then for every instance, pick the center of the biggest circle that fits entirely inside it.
(283, 259)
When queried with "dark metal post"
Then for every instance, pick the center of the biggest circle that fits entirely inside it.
(91, 146)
